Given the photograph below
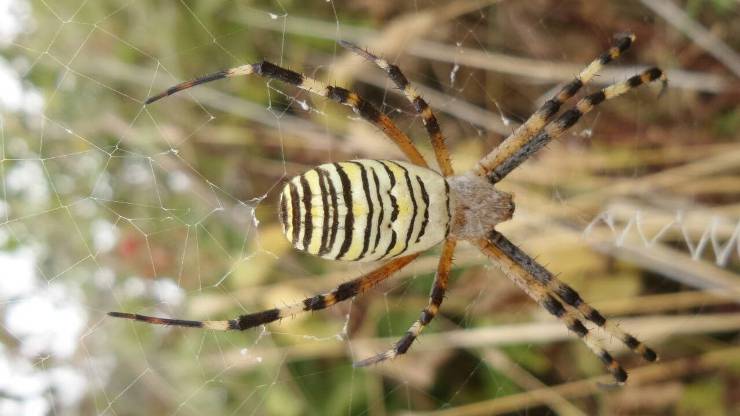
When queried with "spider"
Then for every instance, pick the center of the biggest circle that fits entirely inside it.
(368, 210)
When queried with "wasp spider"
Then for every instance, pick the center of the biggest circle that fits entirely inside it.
(363, 210)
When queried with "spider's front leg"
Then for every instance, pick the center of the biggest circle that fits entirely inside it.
(570, 117)
(535, 133)
(537, 121)
(560, 300)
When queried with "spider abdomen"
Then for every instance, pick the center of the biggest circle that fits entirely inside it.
(365, 210)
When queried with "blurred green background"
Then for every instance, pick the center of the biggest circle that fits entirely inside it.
(170, 209)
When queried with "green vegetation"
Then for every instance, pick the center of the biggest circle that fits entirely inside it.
(183, 183)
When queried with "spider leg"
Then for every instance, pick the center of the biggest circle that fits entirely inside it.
(518, 274)
(568, 295)
(534, 124)
(430, 311)
(567, 119)
(560, 300)
(343, 292)
(341, 95)
(441, 152)
(537, 121)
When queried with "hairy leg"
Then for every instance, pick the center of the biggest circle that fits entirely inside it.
(560, 300)
(537, 121)
(568, 295)
(435, 301)
(441, 152)
(566, 120)
(343, 292)
(341, 95)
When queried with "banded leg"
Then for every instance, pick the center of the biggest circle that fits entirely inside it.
(341, 95)
(435, 301)
(537, 121)
(343, 292)
(566, 120)
(568, 295)
(560, 300)
(518, 274)
(420, 105)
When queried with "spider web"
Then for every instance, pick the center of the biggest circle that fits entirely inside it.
(169, 210)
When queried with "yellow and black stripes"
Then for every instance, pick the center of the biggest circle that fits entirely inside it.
(420, 105)
(341, 95)
(569, 296)
(561, 301)
(365, 210)
(343, 292)
(425, 208)
(371, 208)
(568, 118)
(521, 277)
(436, 297)
(537, 121)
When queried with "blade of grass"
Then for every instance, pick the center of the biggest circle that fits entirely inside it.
(645, 375)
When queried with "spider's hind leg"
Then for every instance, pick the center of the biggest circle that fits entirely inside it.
(340, 95)
(343, 292)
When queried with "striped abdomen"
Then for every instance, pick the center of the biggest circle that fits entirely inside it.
(364, 210)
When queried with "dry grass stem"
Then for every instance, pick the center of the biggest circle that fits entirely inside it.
(698, 34)
(641, 376)
(523, 378)
(537, 69)
(650, 328)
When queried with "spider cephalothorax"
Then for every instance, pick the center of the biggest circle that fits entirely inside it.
(478, 206)
(364, 210)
